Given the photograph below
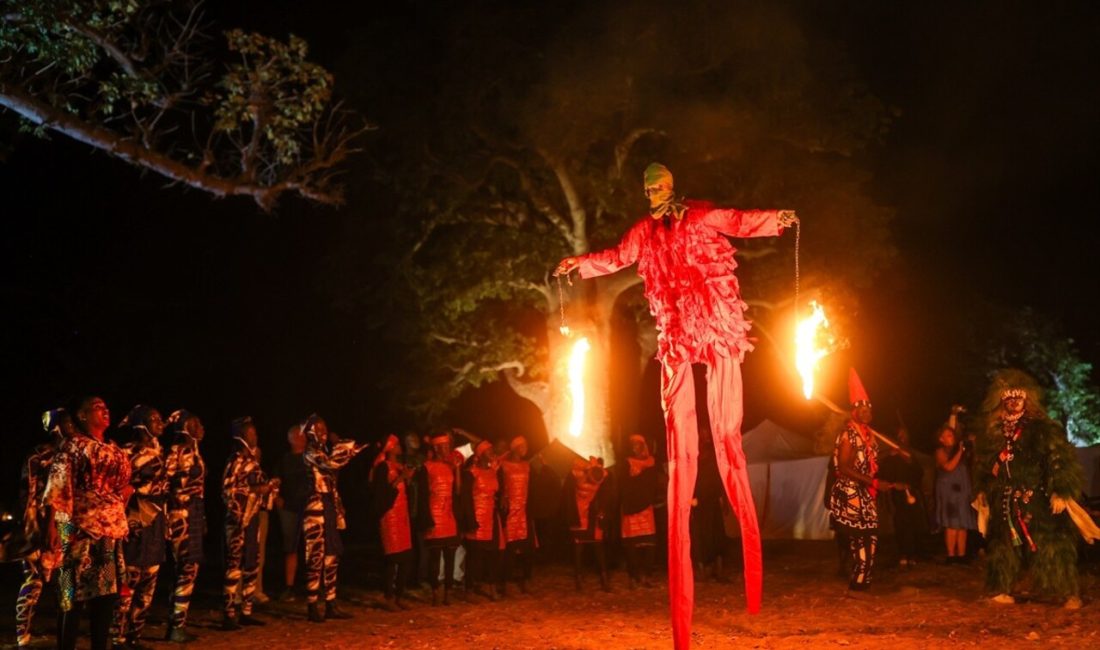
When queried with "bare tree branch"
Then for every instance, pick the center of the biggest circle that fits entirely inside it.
(42, 114)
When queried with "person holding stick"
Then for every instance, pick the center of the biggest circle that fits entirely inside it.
(852, 500)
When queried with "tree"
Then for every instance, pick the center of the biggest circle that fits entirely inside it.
(1036, 344)
(144, 81)
(535, 152)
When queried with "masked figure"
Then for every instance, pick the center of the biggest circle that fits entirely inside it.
(1028, 475)
(687, 263)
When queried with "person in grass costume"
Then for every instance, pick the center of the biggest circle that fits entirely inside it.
(1028, 476)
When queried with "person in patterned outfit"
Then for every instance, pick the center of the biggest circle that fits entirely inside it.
(186, 473)
(145, 548)
(1028, 477)
(480, 492)
(520, 539)
(41, 556)
(87, 490)
(245, 489)
(438, 523)
(640, 492)
(390, 496)
(585, 503)
(323, 520)
(852, 500)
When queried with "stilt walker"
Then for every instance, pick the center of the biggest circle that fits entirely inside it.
(687, 263)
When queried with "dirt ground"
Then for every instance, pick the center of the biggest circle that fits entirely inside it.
(929, 606)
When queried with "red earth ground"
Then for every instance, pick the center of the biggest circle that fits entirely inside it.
(930, 605)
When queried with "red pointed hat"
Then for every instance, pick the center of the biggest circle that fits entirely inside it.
(857, 394)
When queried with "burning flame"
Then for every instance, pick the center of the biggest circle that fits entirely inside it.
(808, 348)
(576, 385)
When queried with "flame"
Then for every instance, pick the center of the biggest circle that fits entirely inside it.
(808, 348)
(577, 360)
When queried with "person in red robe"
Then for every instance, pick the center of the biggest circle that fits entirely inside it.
(639, 489)
(389, 489)
(519, 530)
(438, 478)
(481, 503)
(687, 262)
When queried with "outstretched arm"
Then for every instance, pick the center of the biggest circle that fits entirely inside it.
(749, 223)
(608, 260)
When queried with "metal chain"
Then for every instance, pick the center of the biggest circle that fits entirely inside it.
(561, 305)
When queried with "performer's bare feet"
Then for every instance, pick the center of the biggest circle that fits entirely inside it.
(1003, 599)
(1073, 602)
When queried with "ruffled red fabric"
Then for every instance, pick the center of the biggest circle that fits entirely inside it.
(688, 266)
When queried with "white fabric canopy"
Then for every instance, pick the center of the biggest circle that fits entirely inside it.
(788, 483)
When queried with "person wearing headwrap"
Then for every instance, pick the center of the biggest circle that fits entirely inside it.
(186, 473)
(1028, 476)
(687, 263)
(245, 489)
(145, 548)
(40, 557)
(87, 490)
(640, 488)
(437, 521)
(852, 500)
(390, 502)
(483, 540)
(586, 504)
(323, 518)
(520, 539)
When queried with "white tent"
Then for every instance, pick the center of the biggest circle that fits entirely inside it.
(788, 483)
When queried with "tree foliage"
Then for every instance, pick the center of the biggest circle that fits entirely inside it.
(536, 143)
(147, 82)
(1036, 344)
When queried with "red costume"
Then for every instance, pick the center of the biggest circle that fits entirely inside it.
(441, 491)
(643, 523)
(687, 265)
(484, 491)
(396, 532)
(517, 478)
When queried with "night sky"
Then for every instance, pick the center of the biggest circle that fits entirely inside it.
(117, 284)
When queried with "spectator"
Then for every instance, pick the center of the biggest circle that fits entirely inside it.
(953, 495)
(293, 490)
(910, 518)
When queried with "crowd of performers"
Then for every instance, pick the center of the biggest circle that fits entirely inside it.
(1015, 485)
(493, 505)
(101, 519)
